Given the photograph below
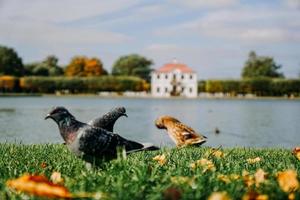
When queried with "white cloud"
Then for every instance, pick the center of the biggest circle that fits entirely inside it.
(242, 25)
(60, 10)
(205, 3)
(292, 3)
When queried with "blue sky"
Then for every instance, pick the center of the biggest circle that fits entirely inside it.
(213, 37)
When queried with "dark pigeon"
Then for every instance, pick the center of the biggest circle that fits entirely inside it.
(91, 142)
(108, 120)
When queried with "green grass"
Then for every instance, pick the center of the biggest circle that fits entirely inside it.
(140, 177)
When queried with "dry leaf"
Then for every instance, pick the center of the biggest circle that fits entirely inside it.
(172, 194)
(253, 160)
(260, 176)
(43, 165)
(219, 196)
(206, 164)
(56, 178)
(234, 176)
(161, 159)
(38, 185)
(288, 181)
(252, 195)
(181, 180)
(224, 178)
(296, 152)
(248, 179)
(217, 154)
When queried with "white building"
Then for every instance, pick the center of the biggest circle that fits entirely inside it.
(174, 79)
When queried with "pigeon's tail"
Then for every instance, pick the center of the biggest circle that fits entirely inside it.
(146, 147)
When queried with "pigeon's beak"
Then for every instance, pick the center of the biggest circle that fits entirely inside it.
(47, 116)
(125, 115)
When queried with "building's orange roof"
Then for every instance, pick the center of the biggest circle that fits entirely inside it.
(173, 66)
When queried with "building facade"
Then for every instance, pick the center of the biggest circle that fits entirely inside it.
(174, 79)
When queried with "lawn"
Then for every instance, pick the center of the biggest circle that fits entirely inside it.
(140, 177)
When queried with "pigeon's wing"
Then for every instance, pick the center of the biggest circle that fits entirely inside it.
(108, 120)
(99, 142)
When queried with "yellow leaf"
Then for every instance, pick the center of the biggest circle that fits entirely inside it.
(224, 178)
(161, 159)
(260, 177)
(217, 154)
(206, 164)
(219, 196)
(296, 152)
(253, 160)
(56, 178)
(38, 185)
(248, 180)
(288, 181)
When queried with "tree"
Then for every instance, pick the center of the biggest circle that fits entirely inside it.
(10, 62)
(83, 66)
(48, 67)
(132, 65)
(260, 66)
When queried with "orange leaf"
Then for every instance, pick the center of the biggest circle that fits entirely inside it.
(296, 152)
(161, 159)
(38, 185)
(287, 180)
(252, 195)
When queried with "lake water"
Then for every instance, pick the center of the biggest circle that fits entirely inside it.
(254, 123)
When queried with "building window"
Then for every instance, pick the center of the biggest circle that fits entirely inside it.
(166, 76)
(166, 89)
(191, 76)
(182, 89)
(157, 89)
(191, 90)
(157, 76)
(182, 76)
(174, 76)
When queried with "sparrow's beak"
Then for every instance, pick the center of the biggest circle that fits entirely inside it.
(47, 116)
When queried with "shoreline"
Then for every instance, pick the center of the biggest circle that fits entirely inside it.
(150, 97)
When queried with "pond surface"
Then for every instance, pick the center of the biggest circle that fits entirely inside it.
(254, 123)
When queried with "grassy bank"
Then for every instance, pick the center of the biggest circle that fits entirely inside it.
(141, 177)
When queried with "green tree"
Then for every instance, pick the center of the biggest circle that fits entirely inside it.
(48, 67)
(133, 65)
(260, 66)
(10, 62)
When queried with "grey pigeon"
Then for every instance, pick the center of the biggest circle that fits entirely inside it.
(108, 120)
(91, 142)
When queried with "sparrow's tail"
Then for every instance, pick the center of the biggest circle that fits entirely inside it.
(146, 147)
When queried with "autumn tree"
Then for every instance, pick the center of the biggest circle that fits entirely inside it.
(261, 66)
(84, 66)
(133, 65)
(10, 62)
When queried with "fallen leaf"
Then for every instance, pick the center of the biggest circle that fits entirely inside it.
(172, 194)
(43, 165)
(206, 164)
(161, 159)
(217, 154)
(288, 181)
(224, 178)
(234, 176)
(260, 176)
(253, 160)
(56, 178)
(247, 178)
(219, 196)
(296, 152)
(38, 185)
(252, 195)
